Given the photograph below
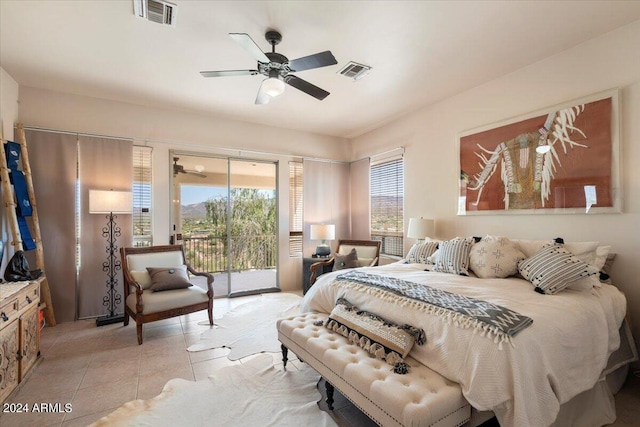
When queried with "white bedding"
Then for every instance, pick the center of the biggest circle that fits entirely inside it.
(559, 356)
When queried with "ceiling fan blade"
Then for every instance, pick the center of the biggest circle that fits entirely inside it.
(318, 60)
(306, 87)
(229, 73)
(250, 46)
(195, 173)
(262, 97)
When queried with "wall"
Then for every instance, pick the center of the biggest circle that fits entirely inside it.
(8, 116)
(165, 130)
(429, 136)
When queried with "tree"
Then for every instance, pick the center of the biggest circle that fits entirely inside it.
(253, 227)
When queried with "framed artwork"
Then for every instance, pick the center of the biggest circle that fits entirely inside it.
(563, 159)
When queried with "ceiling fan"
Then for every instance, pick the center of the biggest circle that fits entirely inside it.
(180, 169)
(277, 68)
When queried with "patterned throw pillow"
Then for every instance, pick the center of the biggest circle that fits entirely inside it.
(420, 252)
(453, 256)
(553, 268)
(382, 339)
(349, 260)
(165, 279)
(495, 257)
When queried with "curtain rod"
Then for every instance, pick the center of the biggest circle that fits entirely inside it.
(184, 144)
(382, 154)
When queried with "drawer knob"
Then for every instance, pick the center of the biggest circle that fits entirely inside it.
(4, 316)
(28, 300)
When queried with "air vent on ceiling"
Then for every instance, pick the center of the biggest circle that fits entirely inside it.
(354, 70)
(158, 11)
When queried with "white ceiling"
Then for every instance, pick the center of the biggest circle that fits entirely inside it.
(421, 52)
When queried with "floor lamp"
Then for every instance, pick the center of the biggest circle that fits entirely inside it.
(111, 202)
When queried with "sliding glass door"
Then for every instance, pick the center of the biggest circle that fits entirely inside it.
(225, 215)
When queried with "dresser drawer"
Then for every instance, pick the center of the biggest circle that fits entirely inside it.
(8, 311)
(29, 296)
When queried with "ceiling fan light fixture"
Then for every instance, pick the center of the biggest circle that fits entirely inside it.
(273, 86)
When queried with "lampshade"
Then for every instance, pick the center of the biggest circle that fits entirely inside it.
(322, 232)
(109, 201)
(273, 86)
(419, 228)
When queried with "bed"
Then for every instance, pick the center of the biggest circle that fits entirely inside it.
(557, 361)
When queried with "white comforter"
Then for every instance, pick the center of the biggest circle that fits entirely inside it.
(559, 356)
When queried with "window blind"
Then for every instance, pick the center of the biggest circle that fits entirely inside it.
(295, 208)
(141, 189)
(387, 201)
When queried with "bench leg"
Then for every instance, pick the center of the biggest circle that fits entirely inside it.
(285, 351)
(329, 388)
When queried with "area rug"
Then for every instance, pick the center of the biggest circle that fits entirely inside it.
(254, 393)
(250, 328)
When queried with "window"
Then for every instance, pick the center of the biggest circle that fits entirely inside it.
(387, 200)
(142, 234)
(295, 209)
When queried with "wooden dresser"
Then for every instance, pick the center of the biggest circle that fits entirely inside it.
(19, 337)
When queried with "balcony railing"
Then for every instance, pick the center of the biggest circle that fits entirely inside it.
(209, 253)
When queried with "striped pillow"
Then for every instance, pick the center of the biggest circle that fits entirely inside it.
(453, 256)
(420, 252)
(553, 268)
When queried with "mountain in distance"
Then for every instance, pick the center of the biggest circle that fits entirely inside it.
(194, 211)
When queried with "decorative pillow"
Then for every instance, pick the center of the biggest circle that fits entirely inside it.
(420, 252)
(165, 279)
(349, 260)
(384, 340)
(553, 268)
(495, 257)
(453, 256)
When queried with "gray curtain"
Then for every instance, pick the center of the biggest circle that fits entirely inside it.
(53, 160)
(104, 164)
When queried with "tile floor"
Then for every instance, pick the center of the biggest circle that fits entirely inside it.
(98, 369)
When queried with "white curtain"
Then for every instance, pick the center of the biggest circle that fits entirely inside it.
(326, 200)
(360, 200)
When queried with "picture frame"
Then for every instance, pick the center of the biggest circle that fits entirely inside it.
(563, 159)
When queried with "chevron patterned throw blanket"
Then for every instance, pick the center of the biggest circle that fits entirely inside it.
(489, 319)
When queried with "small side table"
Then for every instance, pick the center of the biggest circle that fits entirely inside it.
(306, 271)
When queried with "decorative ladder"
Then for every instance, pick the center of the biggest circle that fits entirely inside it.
(12, 219)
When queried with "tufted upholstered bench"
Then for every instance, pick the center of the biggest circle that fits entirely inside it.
(421, 397)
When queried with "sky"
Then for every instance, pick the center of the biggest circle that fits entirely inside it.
(191, 194)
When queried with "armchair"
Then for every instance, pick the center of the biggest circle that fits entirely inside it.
(368, 252)
(144, 304)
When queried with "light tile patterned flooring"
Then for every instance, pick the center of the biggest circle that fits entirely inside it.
(98, 369)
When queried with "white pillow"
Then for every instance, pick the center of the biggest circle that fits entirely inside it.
(553, 268)
(495, 257)
(453, 256)
(419, 252)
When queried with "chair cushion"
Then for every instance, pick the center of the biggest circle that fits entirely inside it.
(366, 254)
(349, 260)
(140, 262)
(154, 302)
(168, 278)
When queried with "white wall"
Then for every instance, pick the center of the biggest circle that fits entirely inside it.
(169, 129)
(431, 161)
(8, 116)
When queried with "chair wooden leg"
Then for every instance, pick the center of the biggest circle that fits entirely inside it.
(126, 318)
(139, 332)
(210, 311)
